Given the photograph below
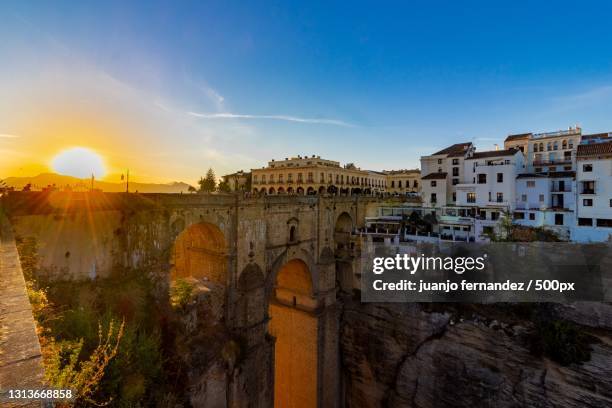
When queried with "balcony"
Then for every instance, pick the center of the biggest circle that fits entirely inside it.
(557, 189)
(566, 160)
(587, 191)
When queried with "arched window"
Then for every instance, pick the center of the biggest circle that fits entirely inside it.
(292, 234)
(535, 147)
(541, 146)
(548, 146)
(556, 145)
(564, 144)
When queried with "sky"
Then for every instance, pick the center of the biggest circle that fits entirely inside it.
(169, 89)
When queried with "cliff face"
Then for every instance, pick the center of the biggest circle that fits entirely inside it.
(401, 355)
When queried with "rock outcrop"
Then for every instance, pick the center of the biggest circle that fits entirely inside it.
(402, 355)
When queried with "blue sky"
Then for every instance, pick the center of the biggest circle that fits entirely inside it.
(188, 85)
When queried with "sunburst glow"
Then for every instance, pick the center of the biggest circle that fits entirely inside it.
(79, 162)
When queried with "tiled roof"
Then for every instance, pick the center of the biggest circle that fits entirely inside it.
(456, 149)
(518, 137)
(435, 176)
(493, 153)
(595, 149)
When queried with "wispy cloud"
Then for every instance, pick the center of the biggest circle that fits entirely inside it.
(227, 115)
(8, 136)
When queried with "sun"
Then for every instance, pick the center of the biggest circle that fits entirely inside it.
(79, 162)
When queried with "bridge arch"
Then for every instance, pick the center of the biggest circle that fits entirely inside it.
(251, 293)
(200, 251)
(343, 251)
(294, 326)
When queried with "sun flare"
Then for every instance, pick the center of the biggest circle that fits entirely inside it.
(79, 162)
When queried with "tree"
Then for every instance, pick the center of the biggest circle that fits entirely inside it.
(192, 189)
(224, 186)
(208, 183)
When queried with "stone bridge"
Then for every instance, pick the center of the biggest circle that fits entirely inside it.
(275, 263)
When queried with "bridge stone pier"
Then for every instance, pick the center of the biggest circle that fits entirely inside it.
(276, 264)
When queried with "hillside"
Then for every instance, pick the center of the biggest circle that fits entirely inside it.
(61, 181)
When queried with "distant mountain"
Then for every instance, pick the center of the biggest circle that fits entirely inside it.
(60, 181)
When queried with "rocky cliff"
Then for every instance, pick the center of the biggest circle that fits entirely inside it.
(412, 355)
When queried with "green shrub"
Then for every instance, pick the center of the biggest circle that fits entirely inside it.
(562, 342)
(181, 293)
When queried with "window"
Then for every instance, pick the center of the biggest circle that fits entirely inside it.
(519, 215)
(434, 198)
(393, 184)
(416, 183)
(500, 197)
(439, 169)
(585, 222)
(455, 171)
(532, 216)
(530, 184)
(482, 179)
(524, 197)
(558, 219)
(549, 146)
(433, 183)
(455, 181)
(494, 215)
(471, 197)
(483, 215)
(604, 222)
(587, 168)
(454, 196)
(322, 177)
(564, 144)
(487, 230)
(300, 178)
(556, 146)
(541, 147)
(541, 198)
(588, 187)
(611, 202)
(538, 169)
(399, 183)
(500, 177)
(455, 162)
(571, 144)
(263, 179)
(535, 147)
(439, 161)
(587, 202)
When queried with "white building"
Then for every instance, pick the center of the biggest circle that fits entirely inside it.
(548, 151)
(594, 195)
(440, 173)
(546, 200)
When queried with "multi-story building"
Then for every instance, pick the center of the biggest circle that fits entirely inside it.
(441, 172)
(594, 195)
(403, 182)
(546, 200)
(549, 151)
(314, 175)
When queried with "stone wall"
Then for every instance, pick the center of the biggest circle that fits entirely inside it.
(20, 355)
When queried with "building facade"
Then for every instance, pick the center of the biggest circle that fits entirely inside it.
(314, 175)
(402, 182)
(594, 191)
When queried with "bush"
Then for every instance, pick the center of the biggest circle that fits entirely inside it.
(181, 293)
(562, 342)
